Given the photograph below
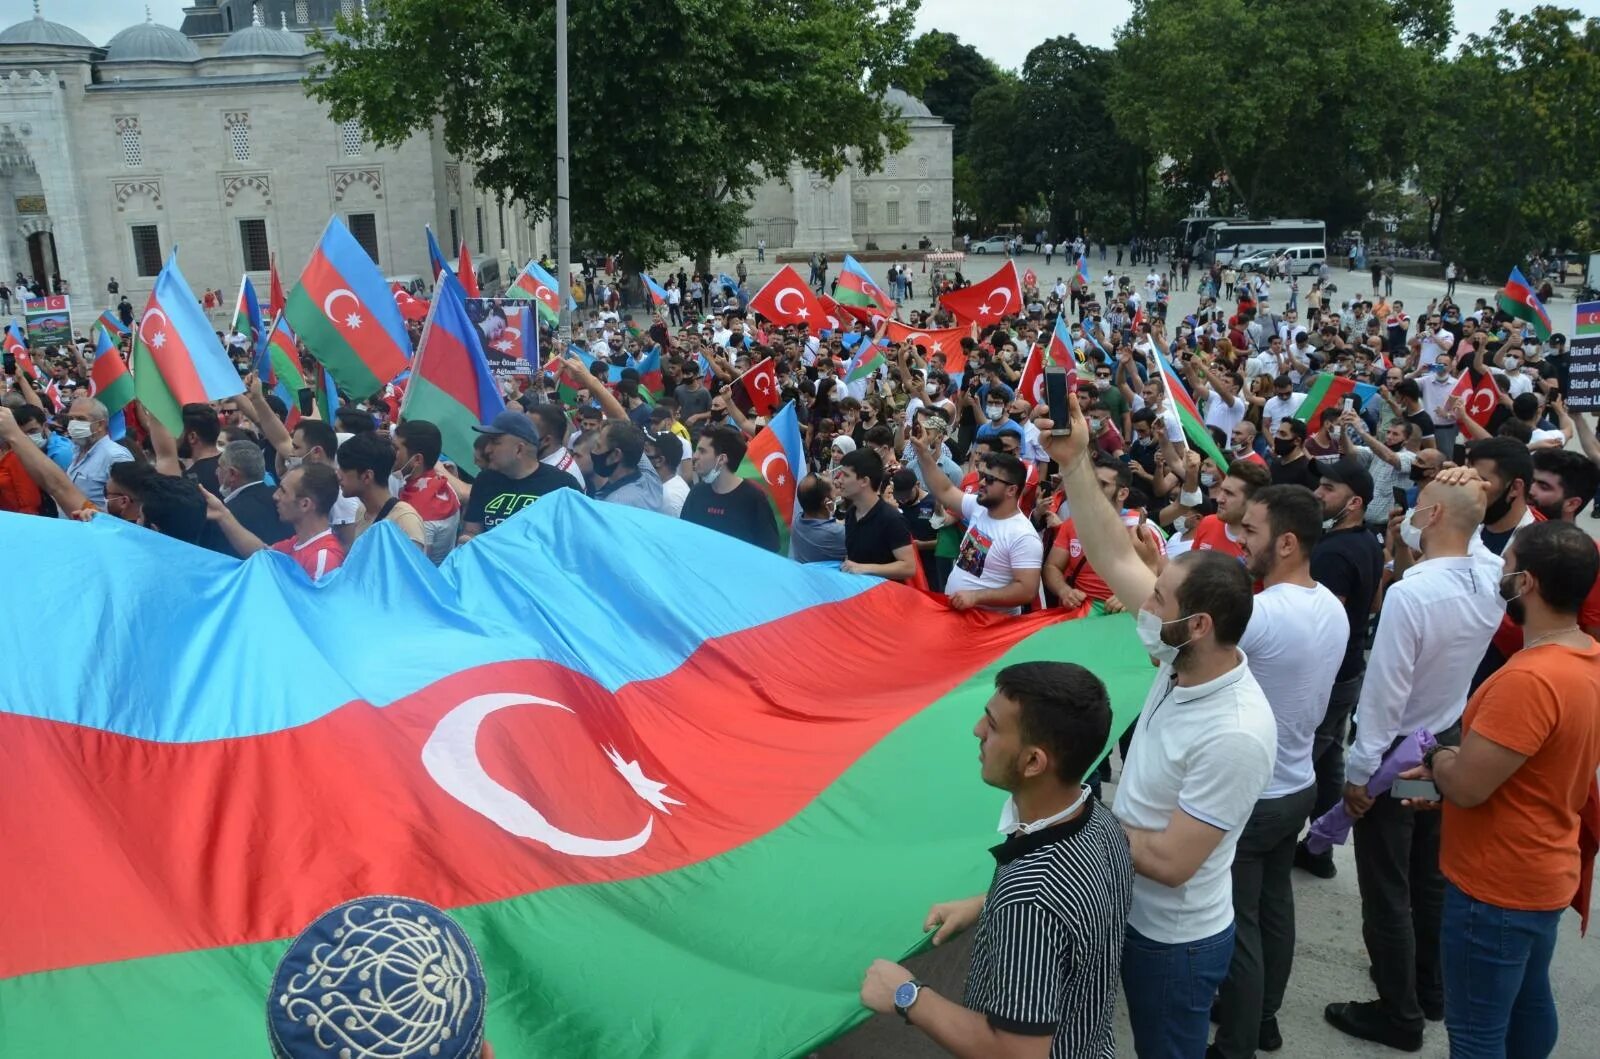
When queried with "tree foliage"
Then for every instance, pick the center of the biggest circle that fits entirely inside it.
(957, 72)
(680, 109)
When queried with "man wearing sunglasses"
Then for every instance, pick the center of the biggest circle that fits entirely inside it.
(997, 567)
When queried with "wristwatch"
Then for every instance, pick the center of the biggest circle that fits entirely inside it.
(905, 996)
(1427, 759)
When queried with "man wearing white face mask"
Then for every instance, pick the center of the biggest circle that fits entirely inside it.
(1203, 752)
(87, 420)
(1435, 625)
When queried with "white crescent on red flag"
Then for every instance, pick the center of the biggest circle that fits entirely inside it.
(988, 301)
(760, 387)
(786, 299)
(1478, 400)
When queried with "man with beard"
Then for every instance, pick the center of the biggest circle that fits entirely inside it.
(997, 565)
(1507, 466)
(1220, 531)
(1294, 645)
(1513, 794)
(1203, 753)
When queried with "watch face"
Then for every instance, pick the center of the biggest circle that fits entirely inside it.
(905, 994)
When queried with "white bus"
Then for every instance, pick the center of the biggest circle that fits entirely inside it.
(1236, 239)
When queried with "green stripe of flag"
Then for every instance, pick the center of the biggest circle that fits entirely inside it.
(777, 930)
(425, 400)
(324, 342)
(151, 388)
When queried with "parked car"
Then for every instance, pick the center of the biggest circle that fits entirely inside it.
(995, 244)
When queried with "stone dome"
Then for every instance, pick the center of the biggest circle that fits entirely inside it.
(259, 41)
(39, 30)
(909, 105)
(151, 42)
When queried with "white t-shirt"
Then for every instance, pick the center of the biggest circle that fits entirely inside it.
(346, 511)
(1295, 642)
(1441, 341)
(991, 549)
(1220, 414)
(1435, 395)
(1278, 408)
(1209, 750)
(674, 491)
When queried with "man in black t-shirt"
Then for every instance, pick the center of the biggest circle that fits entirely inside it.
(723, 501)
(1347, 561)
(514, 477)
(197, 446)
(876, 538)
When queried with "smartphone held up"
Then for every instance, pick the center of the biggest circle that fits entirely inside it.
(1056, 388)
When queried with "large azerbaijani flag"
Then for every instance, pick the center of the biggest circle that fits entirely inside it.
(451, 385)
(344, 312)
(1521, 303)
(645, 820)
(539, 285)
(177, 359)
(1194, 427)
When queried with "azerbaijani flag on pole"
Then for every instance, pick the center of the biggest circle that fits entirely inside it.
(285, 378)
(592, 791)
(1586, 320)
(112, 323)
(856, 287)
(1519, 301)
(658, 295)
(1083, 269)
(451, 385)
(177, 359)
(1326, 391)
(1194, 427)
(435, 255)
(344, 312)
(539, 285)
(110, 383)
(868, 359)
(1062, 351)
(247, 316)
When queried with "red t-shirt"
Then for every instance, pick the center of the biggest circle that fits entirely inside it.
(1211, 534)
(1079, 573)
(319, 555)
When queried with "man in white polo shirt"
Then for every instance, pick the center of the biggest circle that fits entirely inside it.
(1202, 754)
(1295, 642)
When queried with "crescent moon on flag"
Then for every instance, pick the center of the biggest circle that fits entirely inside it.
(333, 296)
(451, 757)
(153, 312)
(775, 456)
(1007, 305)
(777, 302)
(763, 381)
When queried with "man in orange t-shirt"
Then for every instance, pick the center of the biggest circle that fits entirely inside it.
(1220, 532)
(18, 491)
(1515, 794)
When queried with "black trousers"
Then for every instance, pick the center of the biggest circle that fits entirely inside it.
(1263, 921)
(1327, 750)
(1402, 898)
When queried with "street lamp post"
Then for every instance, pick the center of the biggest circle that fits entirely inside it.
(563, 213)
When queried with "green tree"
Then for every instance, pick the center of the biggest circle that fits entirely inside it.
(680, 108)
(994, 157)
(957, 72)
(1299, 102)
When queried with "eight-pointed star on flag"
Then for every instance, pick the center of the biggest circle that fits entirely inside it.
(353, 320)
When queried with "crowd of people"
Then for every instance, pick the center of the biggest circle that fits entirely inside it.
(1315, 590)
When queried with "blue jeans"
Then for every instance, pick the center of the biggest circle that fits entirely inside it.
(1496, 963)
(1170, 989)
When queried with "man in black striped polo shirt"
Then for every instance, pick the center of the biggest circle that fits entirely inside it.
(1050, 930)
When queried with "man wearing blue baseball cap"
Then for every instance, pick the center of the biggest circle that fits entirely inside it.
(390, 977)
(514, 477)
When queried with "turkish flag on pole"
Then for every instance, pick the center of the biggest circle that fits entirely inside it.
(757, 389)
(785, 299)
(987, 301)
(766, 453)
(465, 272)
(1478, 400)
(1031, 385)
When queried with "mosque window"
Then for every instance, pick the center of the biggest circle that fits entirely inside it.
(924, 213)
(922, 166)
(239, 140)
(146, 249)
(364, 226)
(350, 138)
(891, 214)
(253, 242)
(347, 8)
(858, 215)
(302, 12)
(130, 138)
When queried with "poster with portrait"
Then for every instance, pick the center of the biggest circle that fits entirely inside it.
(510, 333)
(49, 321)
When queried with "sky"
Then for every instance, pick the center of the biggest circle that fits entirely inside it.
(1004, 37)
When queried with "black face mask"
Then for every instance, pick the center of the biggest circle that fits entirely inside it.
(1514, 608)
(1498, 508)
(1418, 475)
(1282, 446)
(605, 465)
